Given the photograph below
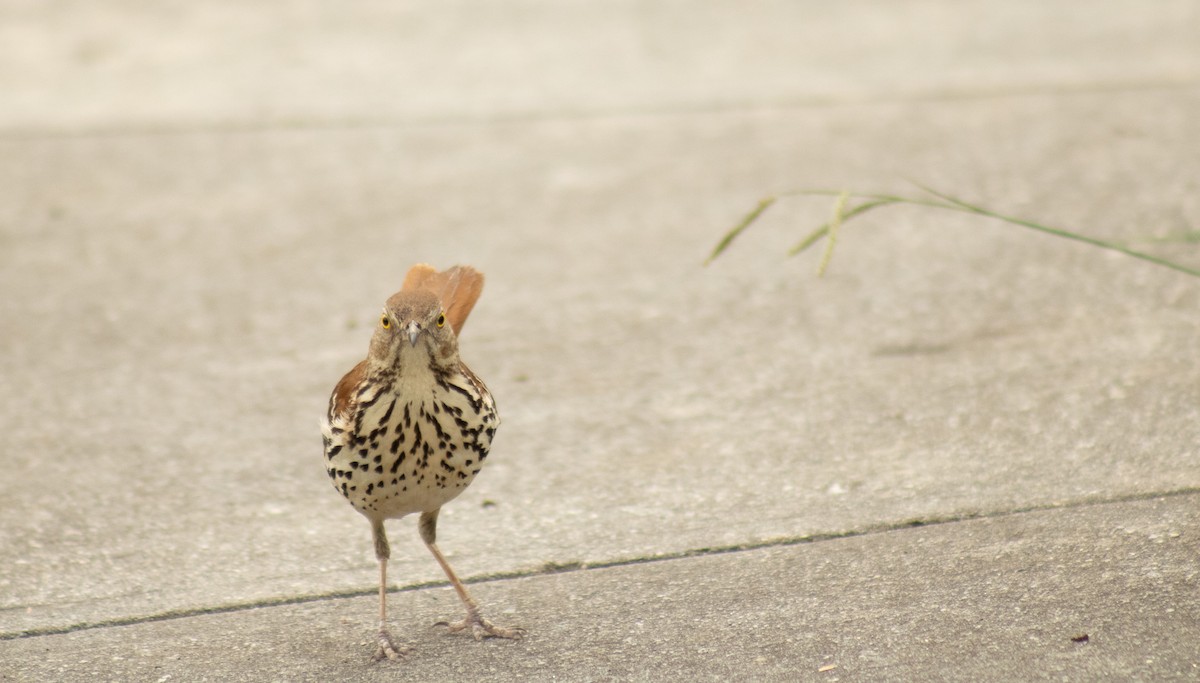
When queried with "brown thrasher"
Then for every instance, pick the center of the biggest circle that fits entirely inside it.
(409, 427)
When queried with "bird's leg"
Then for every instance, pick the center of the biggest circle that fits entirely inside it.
(387, 648)
(480, 627)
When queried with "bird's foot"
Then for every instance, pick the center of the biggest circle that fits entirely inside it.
(388, 648)
(482, 628)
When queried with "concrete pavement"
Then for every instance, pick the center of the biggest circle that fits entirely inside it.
(203, 207)
(999, 598)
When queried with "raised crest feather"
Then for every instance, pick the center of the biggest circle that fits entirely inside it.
(458, 288)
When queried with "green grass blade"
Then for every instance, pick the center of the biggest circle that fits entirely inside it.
(941, 201)
(763, 205)
(823, 230)
(959, 205)
(835, 224)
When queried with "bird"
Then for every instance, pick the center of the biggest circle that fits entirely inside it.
(410, 426)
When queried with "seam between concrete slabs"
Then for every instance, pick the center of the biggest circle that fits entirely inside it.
(26, 133)
(554, 568)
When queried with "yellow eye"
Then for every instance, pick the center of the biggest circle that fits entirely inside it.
(441, 320)
(385, 321)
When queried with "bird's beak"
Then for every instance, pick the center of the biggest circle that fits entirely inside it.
(414, 331)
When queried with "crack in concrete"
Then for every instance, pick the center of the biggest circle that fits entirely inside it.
(550, 568)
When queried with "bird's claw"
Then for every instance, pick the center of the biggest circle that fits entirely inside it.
(482, 628)
(388, 649)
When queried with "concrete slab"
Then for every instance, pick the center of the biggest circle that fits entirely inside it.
(1104, 592)
(186, 302)
(125, 64)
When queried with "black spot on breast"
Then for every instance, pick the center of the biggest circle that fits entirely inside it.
(437, 427)
(387, 415)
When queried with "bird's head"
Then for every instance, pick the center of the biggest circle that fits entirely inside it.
(413, 325)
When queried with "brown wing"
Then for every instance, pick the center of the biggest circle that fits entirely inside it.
(458, 288)
(339, 402)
